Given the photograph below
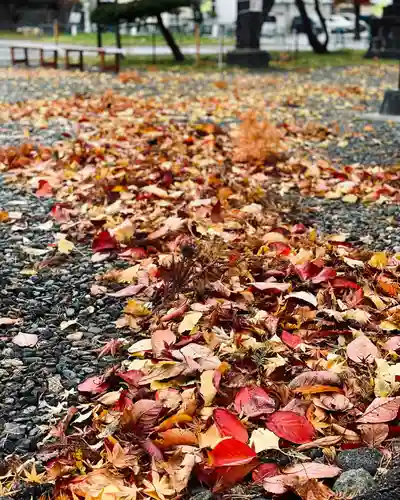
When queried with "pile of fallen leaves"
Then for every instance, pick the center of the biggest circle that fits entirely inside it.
(253, 340)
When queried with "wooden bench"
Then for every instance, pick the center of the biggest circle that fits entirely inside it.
(46, 63)
(69, 51)
(21, 60)
(102, 52)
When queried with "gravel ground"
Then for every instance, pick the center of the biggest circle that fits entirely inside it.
(37, 384)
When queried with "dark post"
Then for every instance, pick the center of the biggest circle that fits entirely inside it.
(250, 19)
(153, 44)
(117, 31)
(99, 41)
(391, 101)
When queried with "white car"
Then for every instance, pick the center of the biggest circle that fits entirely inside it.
(350, 16)
(337, 23)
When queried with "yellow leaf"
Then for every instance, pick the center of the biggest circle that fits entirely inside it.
(33, 476)
(263, 439)
(389, 326)
(210, 438)
(350, 198)
(136, 309)
(385, 378)
(129, 274)
(379, 260)
(124, 232)
(207, 388)
(274, 237)
(189, 321)
(28, 272)
(65, 246)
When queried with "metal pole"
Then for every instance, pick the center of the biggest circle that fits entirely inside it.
(153, 43)
(99, 41)
(197, 37)
(221, 32)
(117, 32)
(399, 74)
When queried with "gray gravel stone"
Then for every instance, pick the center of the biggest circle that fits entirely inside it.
(360, 458)
(387, 489)
(353, 482)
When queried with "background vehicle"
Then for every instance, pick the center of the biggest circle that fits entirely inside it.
(298, 27)
(350, 16)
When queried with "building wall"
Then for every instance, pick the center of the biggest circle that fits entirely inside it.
(284, 10)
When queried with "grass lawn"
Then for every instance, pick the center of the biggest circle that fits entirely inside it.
(109, 39)
(284, 61)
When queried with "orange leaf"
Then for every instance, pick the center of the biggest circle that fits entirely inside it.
(173, 421)
(315, 389)
(388, 287)
(175, 437)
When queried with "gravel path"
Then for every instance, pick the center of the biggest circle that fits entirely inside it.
(38, 384)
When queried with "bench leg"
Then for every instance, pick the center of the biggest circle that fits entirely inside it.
(81, 60)
(26, 56)
(102, 61)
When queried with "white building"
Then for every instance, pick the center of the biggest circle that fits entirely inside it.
(283, 10)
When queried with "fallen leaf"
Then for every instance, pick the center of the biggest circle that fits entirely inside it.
(254, 401)
(326, 274)
(189, 321)
(34, 251)
(291, 426)
(291, 340)
(94, 385)
(230, 452)
(207, 387)
(25, 339)
(128, 291)
(379, 260)
(333, 402)
(104, 241)
(373, 434)
(305, 296)
(9, 321)
(263, 471)
(65, 246)
(229, 425)
(161, 340)
(380, 410)
(315, 378)
(362, 350)
(44, 190)
(263, 439)
(176, 437)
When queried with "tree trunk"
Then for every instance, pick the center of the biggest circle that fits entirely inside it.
(323, 23)
(357, 27)
(170, 40)
(318, 47)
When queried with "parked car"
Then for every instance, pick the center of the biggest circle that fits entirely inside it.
(350, 16)
(339, 24)
(297, 25)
